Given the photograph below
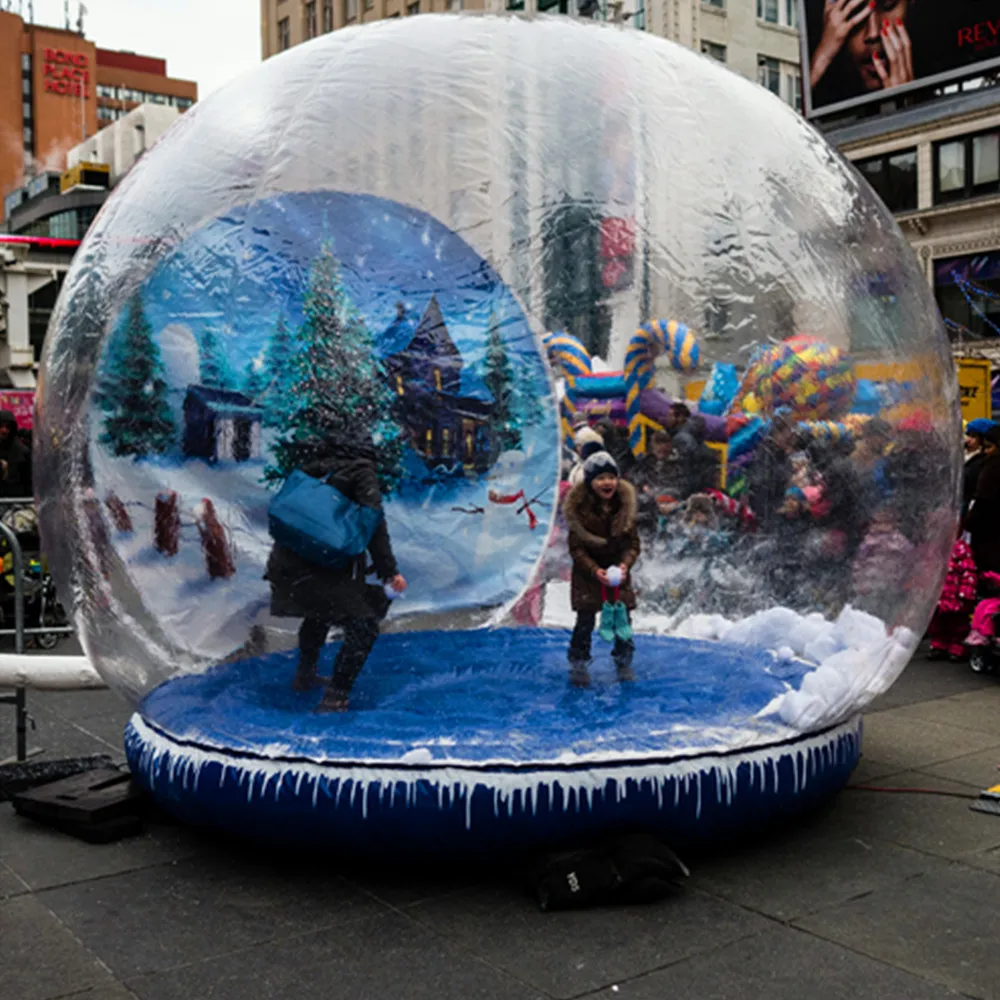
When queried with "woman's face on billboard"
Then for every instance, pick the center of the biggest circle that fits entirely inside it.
(879, 39)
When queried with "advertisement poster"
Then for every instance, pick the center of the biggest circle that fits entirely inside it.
(857, 50)
(975, 388)
(20, 402)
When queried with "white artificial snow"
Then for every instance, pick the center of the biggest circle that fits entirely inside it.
(856, 658)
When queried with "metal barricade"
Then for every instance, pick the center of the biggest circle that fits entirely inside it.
(19, 699)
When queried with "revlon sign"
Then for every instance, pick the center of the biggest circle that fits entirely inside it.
(67, 73)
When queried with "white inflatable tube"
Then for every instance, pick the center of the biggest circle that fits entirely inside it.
(49, 673)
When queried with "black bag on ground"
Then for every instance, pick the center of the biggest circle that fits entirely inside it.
(632, 868)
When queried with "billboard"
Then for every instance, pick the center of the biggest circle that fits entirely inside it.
(20, 402)
(855, 51)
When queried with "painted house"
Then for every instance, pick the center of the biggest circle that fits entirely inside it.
(221, 426)
(445, 410)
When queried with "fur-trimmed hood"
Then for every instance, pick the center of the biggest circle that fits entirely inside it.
(582, 511)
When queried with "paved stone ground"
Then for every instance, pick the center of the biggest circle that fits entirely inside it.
(885, 895)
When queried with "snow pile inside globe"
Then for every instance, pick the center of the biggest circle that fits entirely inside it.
(463, 251)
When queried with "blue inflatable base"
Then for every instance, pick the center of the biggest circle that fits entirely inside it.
(468, 743)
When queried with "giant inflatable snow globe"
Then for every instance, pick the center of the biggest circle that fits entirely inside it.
(427, 267)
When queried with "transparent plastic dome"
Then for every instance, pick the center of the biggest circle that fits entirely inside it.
(453, 240)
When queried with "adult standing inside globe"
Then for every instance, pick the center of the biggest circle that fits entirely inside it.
(983, 520)
(864, 46)
(325, 597)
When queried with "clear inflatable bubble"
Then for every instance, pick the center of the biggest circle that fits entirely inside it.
(559, 394)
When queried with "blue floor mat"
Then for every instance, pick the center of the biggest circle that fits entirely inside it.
(483, 695)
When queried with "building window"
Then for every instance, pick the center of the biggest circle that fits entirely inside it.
(350, 10)
(400, 391)
(446, 442)
(429, 441)
(437, 379)
(369, 4)
(894, 178)
(29, 137)
(26, 86)
(717, 52)
(767, 10)
(26, 111)
(310, 19)
(967, 168)
(793, 86)
(515, 4)
(985, 160)
(25, 62)
(456, 5)
(327, 15)
(284, 35)
(718, 4)
(769, 74)
(792, 13)
(413, 8)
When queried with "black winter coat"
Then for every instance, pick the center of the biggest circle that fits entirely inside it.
(768, 478)
(970, 478)
(300, 589)
(983, 520)
(14, 470)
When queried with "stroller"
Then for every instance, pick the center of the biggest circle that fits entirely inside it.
(41, 605)
(984, 639)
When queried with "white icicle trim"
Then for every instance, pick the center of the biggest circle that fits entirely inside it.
(512, 788)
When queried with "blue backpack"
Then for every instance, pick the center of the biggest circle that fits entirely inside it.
(317, 522)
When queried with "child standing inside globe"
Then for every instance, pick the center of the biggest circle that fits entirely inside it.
(600, 515)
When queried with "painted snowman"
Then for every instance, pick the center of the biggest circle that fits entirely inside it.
(509, 517)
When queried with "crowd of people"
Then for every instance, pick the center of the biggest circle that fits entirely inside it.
(817, 523)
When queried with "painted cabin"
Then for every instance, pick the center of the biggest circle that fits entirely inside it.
(221, 426)
(446, 412)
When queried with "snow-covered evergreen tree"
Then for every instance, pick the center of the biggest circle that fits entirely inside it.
(213, 366)
(337, 387)
(133, 390)
(498, 377)
(275, 398)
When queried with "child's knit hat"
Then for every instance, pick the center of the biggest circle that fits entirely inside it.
(597, 464)
(587, 442)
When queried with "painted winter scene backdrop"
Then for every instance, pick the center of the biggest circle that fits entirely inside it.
(292, 318)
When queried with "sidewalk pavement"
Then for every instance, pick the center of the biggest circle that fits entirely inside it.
(884, 895)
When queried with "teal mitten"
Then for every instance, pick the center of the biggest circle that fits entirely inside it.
(609, 622)
(623, 628)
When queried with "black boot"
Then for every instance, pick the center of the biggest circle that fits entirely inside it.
(359, 637)
(579, 673)
(623, 662)
(307, 676)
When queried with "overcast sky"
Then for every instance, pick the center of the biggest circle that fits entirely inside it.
(209, 41)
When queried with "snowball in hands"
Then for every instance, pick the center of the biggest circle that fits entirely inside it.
(615, 576)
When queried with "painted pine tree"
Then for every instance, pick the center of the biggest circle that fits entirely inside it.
(337, 387)
(498, 377)
(213, 366)
(275, 399)
(133, 391)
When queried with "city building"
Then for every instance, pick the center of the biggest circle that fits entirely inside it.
(757, 38)
(125, 140)
(937, 167)
(284, 23)
(57, 88)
